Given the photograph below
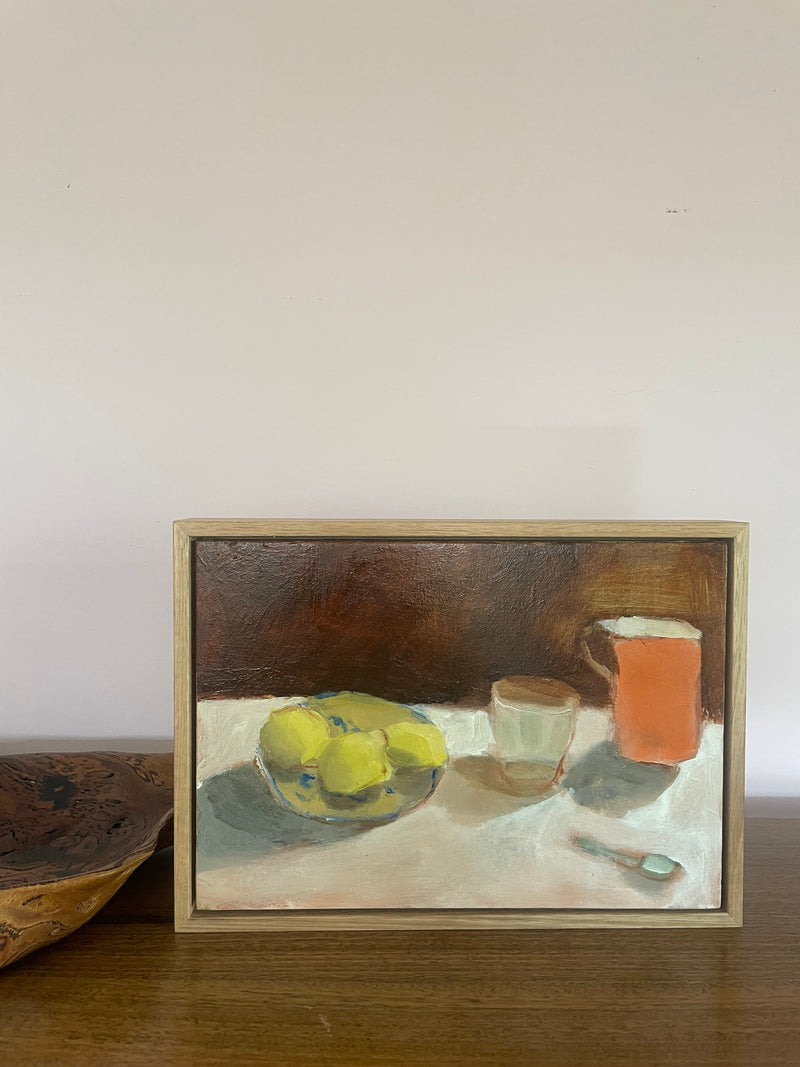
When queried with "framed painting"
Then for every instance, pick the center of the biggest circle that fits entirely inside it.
(458, 724)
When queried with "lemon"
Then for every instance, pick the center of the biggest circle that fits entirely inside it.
(415, 744)
(360, 710)
(293, 736)
(354, 761)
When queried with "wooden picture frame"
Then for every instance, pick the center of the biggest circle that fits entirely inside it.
(615, 541)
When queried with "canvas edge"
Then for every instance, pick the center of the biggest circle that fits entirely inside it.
(184, 719)
(215, 922)
(690, 529)
(735, 711)
(188, 919)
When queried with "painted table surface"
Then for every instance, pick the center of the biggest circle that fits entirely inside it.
(122, 992)
(468, 845)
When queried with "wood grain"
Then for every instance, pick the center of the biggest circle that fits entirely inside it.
(73, 826)
(736, 683)
(456, 528)
(183, 592)
(126, 993)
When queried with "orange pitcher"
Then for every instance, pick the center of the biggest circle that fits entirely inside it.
(655, 688)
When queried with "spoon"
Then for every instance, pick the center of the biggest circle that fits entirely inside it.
(652, 865)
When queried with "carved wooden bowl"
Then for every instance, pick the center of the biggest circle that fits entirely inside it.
(73, 827)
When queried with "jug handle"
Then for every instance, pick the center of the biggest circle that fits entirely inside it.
(599, 668)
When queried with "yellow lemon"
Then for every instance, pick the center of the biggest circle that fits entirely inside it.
(415, 744)
(354, 761)
(293, 736)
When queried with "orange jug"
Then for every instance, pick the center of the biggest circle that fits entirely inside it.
(655, 688)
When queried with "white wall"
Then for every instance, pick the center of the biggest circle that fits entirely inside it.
(418, 258)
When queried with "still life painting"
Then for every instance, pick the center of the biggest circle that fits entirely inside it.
(457, 719)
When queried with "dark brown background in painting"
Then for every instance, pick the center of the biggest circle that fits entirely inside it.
(437, 621)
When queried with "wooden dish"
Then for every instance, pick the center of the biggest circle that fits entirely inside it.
(73, 827)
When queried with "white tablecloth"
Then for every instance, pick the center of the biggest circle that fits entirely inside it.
(468, 846)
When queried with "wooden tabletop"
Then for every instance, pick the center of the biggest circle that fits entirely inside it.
(126, 990)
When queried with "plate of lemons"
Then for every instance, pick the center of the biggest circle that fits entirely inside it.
(350, 757)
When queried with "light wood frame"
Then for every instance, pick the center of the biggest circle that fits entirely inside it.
(187, 918)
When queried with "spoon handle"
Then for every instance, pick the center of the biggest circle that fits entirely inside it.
(623, 858)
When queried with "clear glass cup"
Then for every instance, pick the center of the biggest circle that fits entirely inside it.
(533, 723)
